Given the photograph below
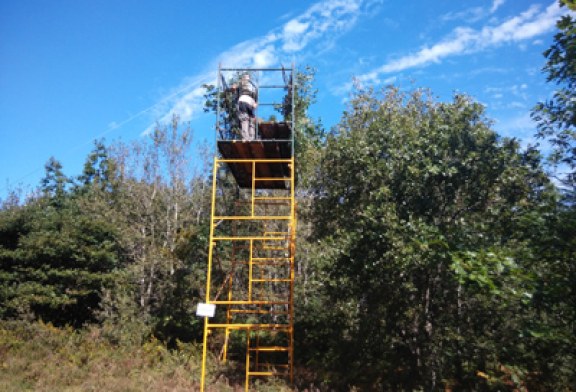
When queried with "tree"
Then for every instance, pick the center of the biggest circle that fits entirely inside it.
(124, 245)
(160, 210)
(416, 208)
(555, 301)
(55, 259)
(99, 170)
(556, 117)
(54, 182)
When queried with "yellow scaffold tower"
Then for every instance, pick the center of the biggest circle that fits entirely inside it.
(249, 299)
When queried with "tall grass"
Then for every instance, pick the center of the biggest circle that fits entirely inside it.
(40, 357)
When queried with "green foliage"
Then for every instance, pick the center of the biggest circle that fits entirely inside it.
(124, 244)
(309, 136)
(54, 182)
(161, 213)
(55, 259)
(99, 171)
(556, 118)
(419, 212)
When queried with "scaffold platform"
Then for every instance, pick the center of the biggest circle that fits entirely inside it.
(273, 146)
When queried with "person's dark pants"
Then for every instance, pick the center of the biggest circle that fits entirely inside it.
(247, 120)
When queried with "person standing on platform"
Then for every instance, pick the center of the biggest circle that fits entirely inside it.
(247, 104)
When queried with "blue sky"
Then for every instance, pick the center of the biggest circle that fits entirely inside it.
(75, 71)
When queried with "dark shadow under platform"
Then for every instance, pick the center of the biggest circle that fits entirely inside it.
(275, 143)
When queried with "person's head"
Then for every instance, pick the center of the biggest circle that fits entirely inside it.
(246, 76)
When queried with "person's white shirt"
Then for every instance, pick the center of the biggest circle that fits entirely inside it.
(247, 99)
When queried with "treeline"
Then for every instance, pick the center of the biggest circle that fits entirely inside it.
(433, 254)
(122, 244)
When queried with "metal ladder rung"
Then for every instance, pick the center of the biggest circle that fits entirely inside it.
(285, 262)
(257, 311)
(271, 349)
(247, 238)
(267, 374)
(252, 302)
(250, 217)
(273, 179)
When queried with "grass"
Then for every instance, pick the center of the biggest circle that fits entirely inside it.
(40, 357)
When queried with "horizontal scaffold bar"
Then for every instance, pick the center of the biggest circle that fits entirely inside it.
(257, 311)
(286, 327)
(255, 302)
(272, 179)
(256, 69)
(274, 201)
(248, 160)
(272, 86)
(267, 374)
(255, 140)
(270, 348)
(286, 262)
(271, 280)
(252, 217)
(256, 246)
(248, 238)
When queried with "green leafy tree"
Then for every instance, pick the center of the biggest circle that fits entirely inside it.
(416, 208)
(160, 210)
(556, 117)
(554, 323)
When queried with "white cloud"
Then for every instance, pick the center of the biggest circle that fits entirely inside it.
(463, 40)
(474, 14)
(517, 105)
(334, 16)
(521, 126)
(495, 5)
(469, 15)
(513, 96)
(456, 44)
(186, 101)
(265, 57)
(294, 27)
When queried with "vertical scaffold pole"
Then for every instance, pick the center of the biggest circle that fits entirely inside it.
(209, 274)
